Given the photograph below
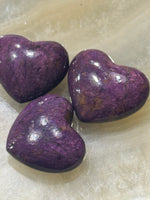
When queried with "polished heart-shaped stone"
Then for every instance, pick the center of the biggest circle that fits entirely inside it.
(42, 137)
(102, 90)
(30, 69)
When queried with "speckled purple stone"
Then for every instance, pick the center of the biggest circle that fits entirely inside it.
(30, 69)
(42, 137)
(103, 91)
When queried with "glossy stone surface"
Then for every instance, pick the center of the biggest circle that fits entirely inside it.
(42, 137)
(30, 69)
(104, 91)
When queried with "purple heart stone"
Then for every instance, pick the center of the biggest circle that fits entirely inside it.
(103, 91)
(42, 137)
(30, 69)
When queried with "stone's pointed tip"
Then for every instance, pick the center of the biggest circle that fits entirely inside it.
(33, 68)
(42, 138)
(103, 91)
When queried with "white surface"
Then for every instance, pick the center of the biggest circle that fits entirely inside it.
(117, 163)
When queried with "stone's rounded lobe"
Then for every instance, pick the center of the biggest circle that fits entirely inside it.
(30, 69)
(42, 137)
(103, 91)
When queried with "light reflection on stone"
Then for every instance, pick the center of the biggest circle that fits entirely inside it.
(34, 136)
(43, 120)
(56, 133)
(95, 63)
(95, 80)
(17, 46)
(78, 91)
(119, 78)
(78, 78)
(13, 56)
(29, 53)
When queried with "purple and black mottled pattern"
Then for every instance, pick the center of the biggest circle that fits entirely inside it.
(30, 69)
(42, 137)
(103, 91)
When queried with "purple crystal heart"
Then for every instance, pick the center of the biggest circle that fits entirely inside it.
(30, 69)
(42, 137)
(103, 91)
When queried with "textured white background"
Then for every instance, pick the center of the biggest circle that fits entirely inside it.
(117, 163)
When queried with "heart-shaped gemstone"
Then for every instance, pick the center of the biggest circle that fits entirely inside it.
(30, 69)
(42, 137)
(103, 91)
